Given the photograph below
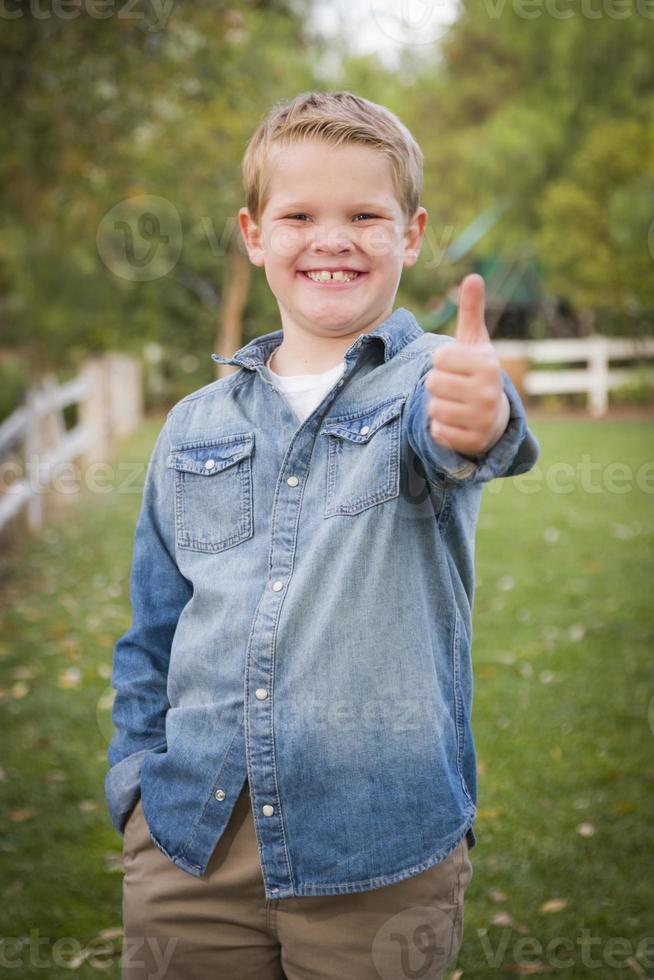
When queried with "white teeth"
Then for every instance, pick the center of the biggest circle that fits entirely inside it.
(326, 276)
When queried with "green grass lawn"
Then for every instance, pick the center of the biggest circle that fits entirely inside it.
(563, 716)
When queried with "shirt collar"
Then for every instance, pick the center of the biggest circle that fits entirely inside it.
(395, 332)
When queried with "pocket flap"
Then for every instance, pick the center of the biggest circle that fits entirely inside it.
(209, 458)
(362, 426)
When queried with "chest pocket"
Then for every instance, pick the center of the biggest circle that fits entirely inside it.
(213, 492)
(363, 458)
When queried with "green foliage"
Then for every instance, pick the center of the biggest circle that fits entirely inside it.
(13, 385)
(554, 112)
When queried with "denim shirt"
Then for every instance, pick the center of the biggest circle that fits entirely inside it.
(302, 597)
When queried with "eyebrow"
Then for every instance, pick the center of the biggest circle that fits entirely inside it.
(301, 206)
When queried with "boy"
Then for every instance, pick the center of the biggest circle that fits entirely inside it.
(293, 742)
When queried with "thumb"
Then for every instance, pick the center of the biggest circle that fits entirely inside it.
(470, 324)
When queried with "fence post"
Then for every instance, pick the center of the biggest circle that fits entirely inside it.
(125, 394)
(34, 515)
(94, 411)
(598, 369)
(61, 493)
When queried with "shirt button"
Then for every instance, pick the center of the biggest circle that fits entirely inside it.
(276, 586)
(292, 481)
(261, 693)
(210, 463)
(366, 428)
(267, 810)
(220, 794)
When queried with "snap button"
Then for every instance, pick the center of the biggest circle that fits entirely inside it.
(276, 586)
(261, 693)
(292, 481)
(366, 428)
(267, 810)
(209, 465)
(220, 794)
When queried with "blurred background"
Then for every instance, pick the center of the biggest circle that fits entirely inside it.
(122, 270)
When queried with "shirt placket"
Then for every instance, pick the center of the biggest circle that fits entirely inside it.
(260, 658)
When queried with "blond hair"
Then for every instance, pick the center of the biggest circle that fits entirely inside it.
(335, 118)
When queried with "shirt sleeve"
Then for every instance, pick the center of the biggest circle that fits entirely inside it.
(515, 452)
(141, 656)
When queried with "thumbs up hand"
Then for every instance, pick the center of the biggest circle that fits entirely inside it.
(469, 410)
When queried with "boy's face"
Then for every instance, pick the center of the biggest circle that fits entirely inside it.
(332, 208)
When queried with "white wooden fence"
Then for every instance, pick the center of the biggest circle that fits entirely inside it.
(34, 442)
(595, 379)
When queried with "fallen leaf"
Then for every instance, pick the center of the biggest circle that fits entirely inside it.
(113, 862)
(92, 948)
(19, 816)
(586, 829)
(71, 677)
(553, 905)
(497, 897)
(502, 919)
(87, 806)
(635, 966)
(19, 690)
(489, 813)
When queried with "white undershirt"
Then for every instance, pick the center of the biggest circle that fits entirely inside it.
(304, 392)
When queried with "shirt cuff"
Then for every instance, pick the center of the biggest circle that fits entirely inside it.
(122, 787)
(515, 446)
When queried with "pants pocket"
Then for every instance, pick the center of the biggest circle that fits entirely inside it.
(133, 830)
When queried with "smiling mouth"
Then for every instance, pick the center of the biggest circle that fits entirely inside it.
(339, 278)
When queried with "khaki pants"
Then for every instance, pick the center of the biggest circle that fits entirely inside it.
(222, 927)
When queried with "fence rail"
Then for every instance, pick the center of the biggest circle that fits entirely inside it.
(34, 441)
(596, 380)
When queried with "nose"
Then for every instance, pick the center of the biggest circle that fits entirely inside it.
(330, 238)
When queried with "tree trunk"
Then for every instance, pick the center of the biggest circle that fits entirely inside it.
(235, 293)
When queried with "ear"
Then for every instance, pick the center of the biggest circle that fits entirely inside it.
(251, 233)
(413, 237)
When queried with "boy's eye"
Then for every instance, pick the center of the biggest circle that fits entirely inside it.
(361, 214)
